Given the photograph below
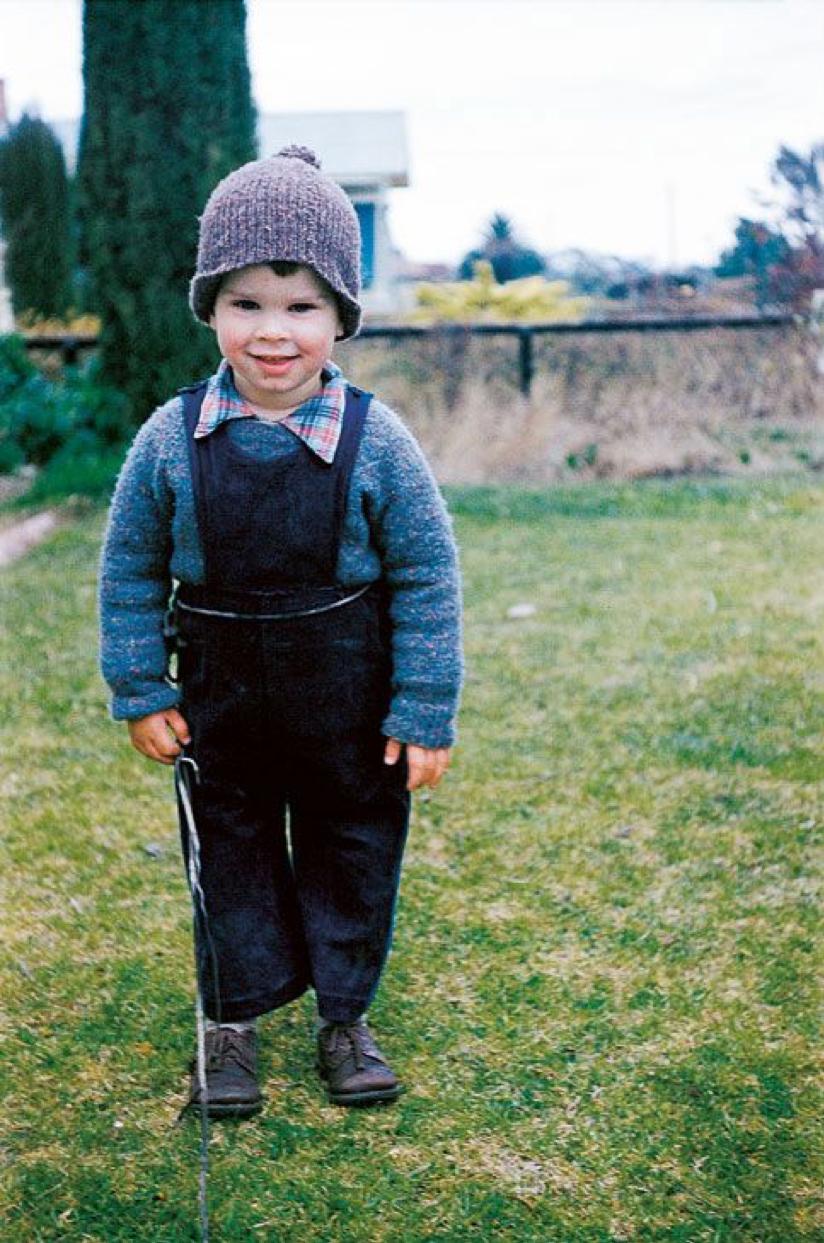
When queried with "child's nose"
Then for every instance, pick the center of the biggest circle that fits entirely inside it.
(272, 324)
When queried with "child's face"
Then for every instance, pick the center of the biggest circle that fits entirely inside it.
(276, 333)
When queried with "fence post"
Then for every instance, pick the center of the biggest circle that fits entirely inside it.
(526, 360)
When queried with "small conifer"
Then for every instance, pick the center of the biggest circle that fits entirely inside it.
(35, 216)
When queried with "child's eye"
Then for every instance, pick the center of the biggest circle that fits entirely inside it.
(245, 304)
(303, 306)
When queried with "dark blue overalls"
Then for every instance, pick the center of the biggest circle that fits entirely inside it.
(285, 682)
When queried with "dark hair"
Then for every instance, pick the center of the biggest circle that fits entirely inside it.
(283, 267)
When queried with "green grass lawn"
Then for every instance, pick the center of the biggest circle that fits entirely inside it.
(603, 990)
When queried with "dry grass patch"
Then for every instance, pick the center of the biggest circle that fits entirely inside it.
(622, 406)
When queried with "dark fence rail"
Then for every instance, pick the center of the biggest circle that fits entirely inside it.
(526, 333)
(71, 345)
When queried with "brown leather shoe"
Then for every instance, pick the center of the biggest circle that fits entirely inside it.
(353, 1066)
(231, 1074)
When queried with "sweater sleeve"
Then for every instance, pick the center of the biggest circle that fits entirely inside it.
(135, 580)
(413, 532)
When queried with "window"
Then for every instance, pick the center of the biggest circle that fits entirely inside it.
(366, 220)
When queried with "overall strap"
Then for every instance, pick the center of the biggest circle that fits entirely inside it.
(354, 417)
(192, 401)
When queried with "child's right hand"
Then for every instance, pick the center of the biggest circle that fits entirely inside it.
(160, 735)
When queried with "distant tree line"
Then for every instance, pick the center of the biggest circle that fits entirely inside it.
(784, 258)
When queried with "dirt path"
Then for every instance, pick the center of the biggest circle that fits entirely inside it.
(18, 539)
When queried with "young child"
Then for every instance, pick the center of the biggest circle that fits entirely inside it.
(318, 615)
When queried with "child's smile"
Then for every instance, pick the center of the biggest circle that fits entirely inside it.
(276, 333)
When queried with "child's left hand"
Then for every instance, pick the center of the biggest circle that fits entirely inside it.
(425, 765)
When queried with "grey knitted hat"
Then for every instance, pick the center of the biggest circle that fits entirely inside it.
(282, 207)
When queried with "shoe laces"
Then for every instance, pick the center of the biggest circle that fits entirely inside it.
(226, 1046)
(355, 1038)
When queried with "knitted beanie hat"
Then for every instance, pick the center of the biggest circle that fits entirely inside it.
(282, 207)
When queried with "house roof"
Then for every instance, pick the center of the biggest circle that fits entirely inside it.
(353, 147)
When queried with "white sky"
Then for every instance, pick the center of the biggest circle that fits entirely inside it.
(634, 127)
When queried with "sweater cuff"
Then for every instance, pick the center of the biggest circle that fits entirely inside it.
(132, 707)
(421, 725)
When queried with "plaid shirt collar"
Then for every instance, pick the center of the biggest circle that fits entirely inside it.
(317, 422)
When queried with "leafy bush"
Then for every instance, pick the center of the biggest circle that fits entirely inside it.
(15, 366)
(11, 455)
(74, 471)
(97, 410)
(36, 419)
(40, 419)
(15, 371)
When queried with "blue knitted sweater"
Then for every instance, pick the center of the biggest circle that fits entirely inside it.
(395, 527)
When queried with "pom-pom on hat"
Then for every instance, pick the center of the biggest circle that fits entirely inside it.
(282, 207)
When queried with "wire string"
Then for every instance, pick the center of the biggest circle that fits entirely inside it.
(186, 769)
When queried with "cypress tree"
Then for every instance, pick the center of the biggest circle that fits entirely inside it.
(34, 209)
(168, 112)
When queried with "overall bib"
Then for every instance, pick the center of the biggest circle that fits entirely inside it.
(285, 681)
